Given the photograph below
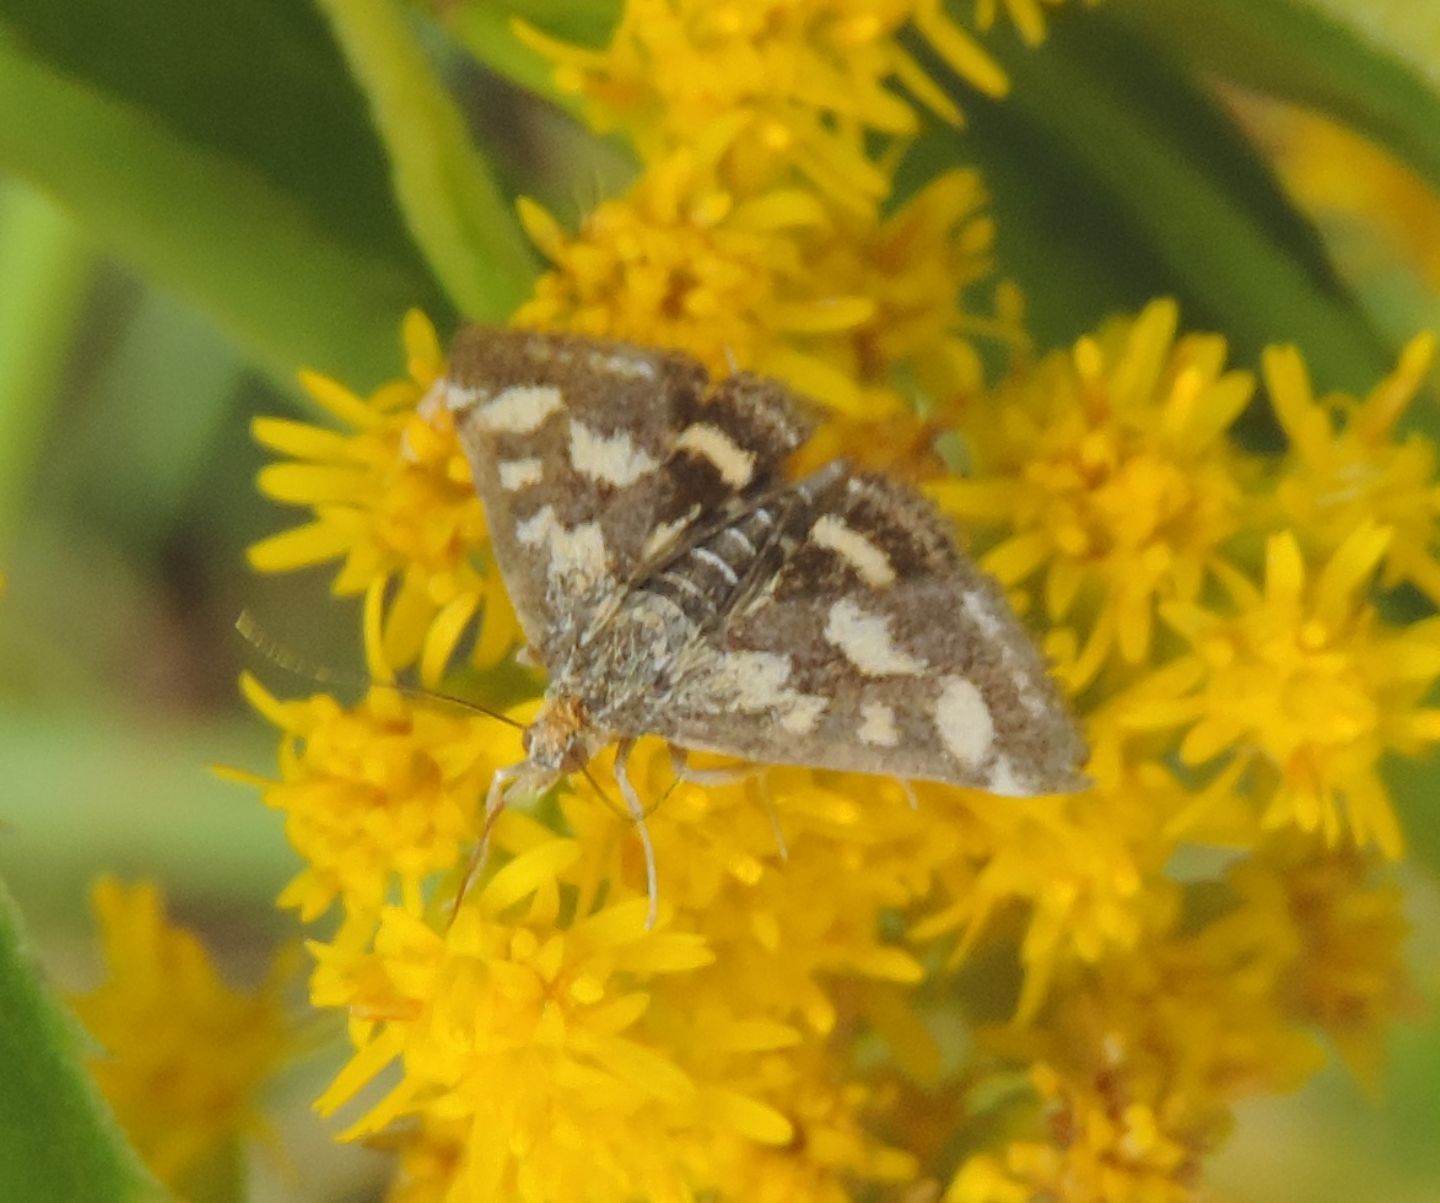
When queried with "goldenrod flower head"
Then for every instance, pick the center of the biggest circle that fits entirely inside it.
(827, 302)
(183, 1054)
(1345, 932)
(1087, 868)
(1109, 477)
(794, 86)
(1347, 464)
(1137, 1062)
(392, 497)
(376, 797)
(680, 262)
(538, 1029)
(782, 874)
(915, 267)
(429, 1155)
(832, 1150)
(1302, 689)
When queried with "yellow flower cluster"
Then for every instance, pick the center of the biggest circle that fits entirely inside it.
(182, 1055)
(818, 1009)
(761, 232)
(1135, 1063)
(392, 499)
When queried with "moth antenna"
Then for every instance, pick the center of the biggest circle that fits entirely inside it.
(285, 657)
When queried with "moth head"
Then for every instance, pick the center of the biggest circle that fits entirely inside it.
(558, 741)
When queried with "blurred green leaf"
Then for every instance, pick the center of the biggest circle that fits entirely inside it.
(224, 151)
(1117, 178)
(89, 792)
(45, 267)
(466, 228)
(1298, 52)
(58, 1143)
(171, 383)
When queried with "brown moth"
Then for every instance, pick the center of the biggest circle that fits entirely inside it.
(674, 582)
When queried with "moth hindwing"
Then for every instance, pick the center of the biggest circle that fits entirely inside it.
(675, 582)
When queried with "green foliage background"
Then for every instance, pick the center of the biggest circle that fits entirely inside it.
(196, 200)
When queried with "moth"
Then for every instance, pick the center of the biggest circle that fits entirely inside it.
(674, 581)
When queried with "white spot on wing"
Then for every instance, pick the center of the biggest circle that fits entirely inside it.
(754, 681)
(520, 409)
(800, 716)
(732, 461)
(877, 725)
(629, 366)
(577, 557)
(516, 474)
(664, 534)
(855, 549)
(865, 640)
(964, 722)
(613, 459)
(982, 610)
(1004, 781)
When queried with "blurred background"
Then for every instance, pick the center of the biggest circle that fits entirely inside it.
(193, 205)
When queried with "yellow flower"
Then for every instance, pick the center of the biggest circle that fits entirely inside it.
(775, 284)
(1110, 482)
(384, 794)
(782, 873)
(1137, 1062)
(1346, 466)
(1355, 188)
(832, 1150)
(783, 85)
(535, 1027)
(393, 498)
(1302, 689)
(681, 262)
(1345, 932)
(430, 1156)
(184, 1055)
(1088, 868)
(915, 267)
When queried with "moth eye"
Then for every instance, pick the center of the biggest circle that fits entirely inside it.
(526, 738)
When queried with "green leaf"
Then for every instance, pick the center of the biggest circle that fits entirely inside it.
(166, 814)
(1334, 62)
(45, 267)
(223, 150)
(58, 1142)
(1117, 178)
(466, 228)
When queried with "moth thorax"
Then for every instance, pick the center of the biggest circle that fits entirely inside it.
(558, 738)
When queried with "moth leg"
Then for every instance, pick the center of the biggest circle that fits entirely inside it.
(494, 804)
(909, 788)
(680, 764)
(637, 812)
(773, 815)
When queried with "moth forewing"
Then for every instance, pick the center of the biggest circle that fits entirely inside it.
(674, 582)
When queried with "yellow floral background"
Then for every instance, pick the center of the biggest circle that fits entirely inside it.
(1211, 494)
